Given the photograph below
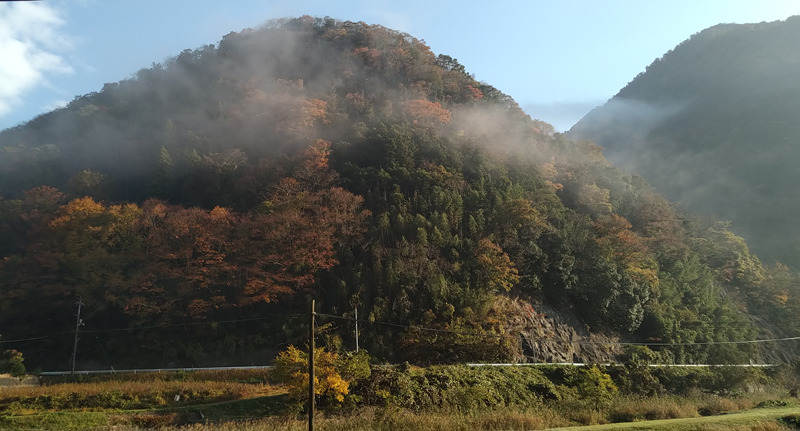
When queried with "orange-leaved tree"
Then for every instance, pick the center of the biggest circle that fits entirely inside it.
(427, 112)
(295, 236)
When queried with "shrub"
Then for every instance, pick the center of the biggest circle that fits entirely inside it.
(457, 387)
(354, 366)
(717, 405)
(639, 355)
(792, 421)
(771, 404)
(720, 380)
(594, 385)
(12, 363)
(636, 378)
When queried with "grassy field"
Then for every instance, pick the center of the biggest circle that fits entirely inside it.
(267, 413)
(213, 401)
(759, 419)
(139, 400)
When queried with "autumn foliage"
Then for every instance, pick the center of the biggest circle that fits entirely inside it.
(426, 111)
(167, 263)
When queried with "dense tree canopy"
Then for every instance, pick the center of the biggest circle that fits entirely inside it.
(197, 206)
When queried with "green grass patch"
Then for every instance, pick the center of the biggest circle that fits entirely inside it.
(237, 376)
(249, 409)
(124, 395)
(140, 401)
(756, 419)
(220, 412)
(55, 421)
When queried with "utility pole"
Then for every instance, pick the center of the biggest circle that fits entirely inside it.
(311, 370)
(356, 320)
(78, 324)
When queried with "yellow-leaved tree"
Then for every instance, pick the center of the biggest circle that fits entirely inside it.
(291, 367)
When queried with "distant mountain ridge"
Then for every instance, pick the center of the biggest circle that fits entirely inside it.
(715, 125)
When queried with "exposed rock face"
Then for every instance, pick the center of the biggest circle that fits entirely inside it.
(553, 336)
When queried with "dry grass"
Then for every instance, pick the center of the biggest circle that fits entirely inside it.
(637, 409)
(401, 420)
(507, 418)
(245, 411)
(244, 376)
(518, 420)
(126, 395)
(241, 390)
(391, 420)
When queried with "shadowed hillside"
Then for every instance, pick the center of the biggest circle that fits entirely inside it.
(714, 125)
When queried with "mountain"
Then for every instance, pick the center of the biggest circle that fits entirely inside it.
(713, 124)
(196, 208)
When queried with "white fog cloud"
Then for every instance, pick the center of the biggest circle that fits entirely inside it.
(30, 49)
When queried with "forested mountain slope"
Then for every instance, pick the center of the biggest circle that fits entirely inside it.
(714, 125)
(197, 207)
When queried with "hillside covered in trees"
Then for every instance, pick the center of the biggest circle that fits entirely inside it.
(198, 206)
(713, 124)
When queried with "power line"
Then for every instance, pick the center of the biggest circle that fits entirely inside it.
(180, 325)
(20, 340)
(707, 343)
(621, 343)
(419, 328)
(411, 327)
(139, 328)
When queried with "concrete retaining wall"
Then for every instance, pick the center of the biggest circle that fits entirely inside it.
(6, 380)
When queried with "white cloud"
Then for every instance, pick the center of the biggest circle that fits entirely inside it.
(30, 48)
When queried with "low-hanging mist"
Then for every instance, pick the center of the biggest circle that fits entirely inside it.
(713, 125)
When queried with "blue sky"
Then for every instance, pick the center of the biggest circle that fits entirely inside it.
(558, 58)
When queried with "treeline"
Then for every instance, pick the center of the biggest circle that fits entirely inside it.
(346, 163)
